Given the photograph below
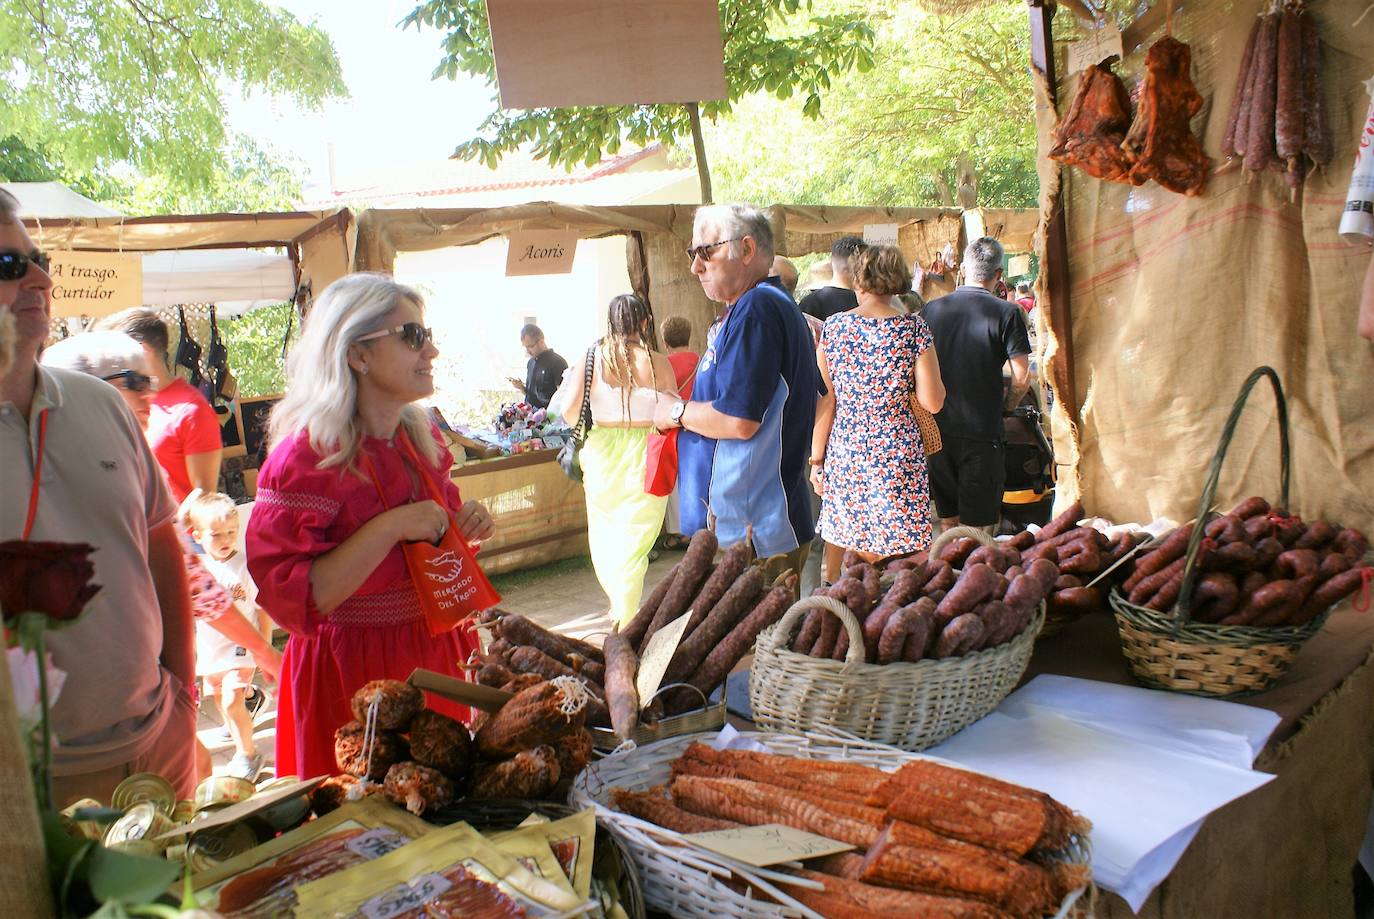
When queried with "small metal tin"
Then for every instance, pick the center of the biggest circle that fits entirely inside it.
(144, 786)
(82, 829)
(219, 790)
(184, 811)
(210, 848)
(286, 815)
(142, 822)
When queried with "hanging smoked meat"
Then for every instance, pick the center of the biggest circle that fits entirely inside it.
(1089, 135)
(1160, 144)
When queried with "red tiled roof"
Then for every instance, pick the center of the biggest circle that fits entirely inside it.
(456, 177)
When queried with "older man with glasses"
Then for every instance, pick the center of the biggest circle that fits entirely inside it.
(78, 470)
(742, 453)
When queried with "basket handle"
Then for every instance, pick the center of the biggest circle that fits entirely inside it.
(1209, 490)
(948, 536)
(855, 654)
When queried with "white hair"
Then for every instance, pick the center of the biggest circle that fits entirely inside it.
(983, 259)
(100, 354)
(736, 220)
(322, 391)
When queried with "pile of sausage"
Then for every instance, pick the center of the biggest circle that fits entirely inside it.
(1278, 119)
(1259, 567)
(730, 604)
(930, 610)
(1082, 554)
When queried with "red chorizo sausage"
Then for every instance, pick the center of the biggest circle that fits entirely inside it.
(960, 635)
(1067, 519)
(1329, 593)
(1251, 507)
(976, 584)
(1297, 563)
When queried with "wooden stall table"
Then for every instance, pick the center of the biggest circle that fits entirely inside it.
(540, 513)
(1285, 850)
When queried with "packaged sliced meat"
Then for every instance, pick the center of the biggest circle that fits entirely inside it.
(261, 883)
(452, 871)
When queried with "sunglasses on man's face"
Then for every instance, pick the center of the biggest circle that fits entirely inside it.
(132, 380)
(704, 252)
(412, 333)
(14, 264)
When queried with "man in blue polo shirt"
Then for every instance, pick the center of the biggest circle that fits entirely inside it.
(746, 433)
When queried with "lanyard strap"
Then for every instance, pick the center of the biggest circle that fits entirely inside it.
(414, 458)
(37, 475)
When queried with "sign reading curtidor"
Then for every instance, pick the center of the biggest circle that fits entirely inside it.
(95, 283)
(541, 252)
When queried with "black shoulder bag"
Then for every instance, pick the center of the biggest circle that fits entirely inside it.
(568, 455)
(188, 352)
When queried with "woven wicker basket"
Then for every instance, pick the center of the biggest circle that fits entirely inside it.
(911, 706)
(686, 881)
(1169, 650)
(614, 875)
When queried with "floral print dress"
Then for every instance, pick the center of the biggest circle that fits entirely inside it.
(876, 490)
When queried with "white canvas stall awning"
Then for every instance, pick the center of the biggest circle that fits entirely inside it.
(235, 280)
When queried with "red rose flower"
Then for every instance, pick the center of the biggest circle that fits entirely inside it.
(52, 578)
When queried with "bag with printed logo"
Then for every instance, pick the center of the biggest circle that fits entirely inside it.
(451, 585)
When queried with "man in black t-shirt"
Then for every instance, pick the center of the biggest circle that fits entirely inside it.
(837, 296)
(975, 334)
(543, 371)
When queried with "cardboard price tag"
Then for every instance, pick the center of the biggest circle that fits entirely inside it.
(880, 234)
(1096, 48)
(657, 655)
(768, 844)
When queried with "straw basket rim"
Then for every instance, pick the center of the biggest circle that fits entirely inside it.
(687, 881)
(911, 705)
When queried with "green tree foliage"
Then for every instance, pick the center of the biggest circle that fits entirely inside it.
(91, 88)
(942, 87)
(255, 343)
(779, 46)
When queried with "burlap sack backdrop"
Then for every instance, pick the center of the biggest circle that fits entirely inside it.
(1175, 300)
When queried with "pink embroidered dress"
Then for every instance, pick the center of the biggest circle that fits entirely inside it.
(302, 512)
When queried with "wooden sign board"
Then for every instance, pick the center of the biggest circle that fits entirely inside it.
(540, 252)
(768, 844)
(95, 283)
(880, 234)
(1096, 48)
(487, 698)
(254, 414)
(556, 53)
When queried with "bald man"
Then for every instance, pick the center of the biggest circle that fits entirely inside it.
(787, 273)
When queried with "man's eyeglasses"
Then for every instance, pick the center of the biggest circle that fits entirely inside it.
(704, 252)
(412, 333)
(14, 265)
(133, 380)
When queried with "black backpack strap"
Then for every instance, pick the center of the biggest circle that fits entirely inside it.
(584, 418)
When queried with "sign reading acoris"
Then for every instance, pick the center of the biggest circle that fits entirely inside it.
(95, 283)
(541, 252)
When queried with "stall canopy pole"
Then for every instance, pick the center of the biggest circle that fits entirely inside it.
(1056, 266)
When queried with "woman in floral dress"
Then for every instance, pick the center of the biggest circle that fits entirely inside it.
(867, 461)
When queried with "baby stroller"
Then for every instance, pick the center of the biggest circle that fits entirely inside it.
(1028, 495)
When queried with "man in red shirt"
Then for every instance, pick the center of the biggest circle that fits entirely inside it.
(183, 429)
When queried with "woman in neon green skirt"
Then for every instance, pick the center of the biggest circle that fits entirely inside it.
(629, 376)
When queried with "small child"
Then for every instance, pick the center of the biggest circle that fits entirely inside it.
(226, 667)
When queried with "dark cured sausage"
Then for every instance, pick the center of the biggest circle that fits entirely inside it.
(622, 698)
(1228, 144)
(1067, 519)
(634, 630)
(905, 588)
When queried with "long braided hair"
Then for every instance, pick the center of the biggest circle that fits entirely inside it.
(629, 321)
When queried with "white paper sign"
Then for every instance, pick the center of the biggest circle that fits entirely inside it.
(540, 252)
(658, 654)
(1096, 48)
(768, 844)
(880, 234)
(95, 283)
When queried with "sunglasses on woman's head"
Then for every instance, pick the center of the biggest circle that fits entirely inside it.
(133, 380)
(14, 264)
(412, 333)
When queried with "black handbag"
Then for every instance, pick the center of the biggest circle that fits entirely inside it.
(188, 352)
(568, 455)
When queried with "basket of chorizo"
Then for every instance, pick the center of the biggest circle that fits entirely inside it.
(1221, 606)
(921, 838)
(909, 665)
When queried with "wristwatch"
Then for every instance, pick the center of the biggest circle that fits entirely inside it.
(675, 413)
